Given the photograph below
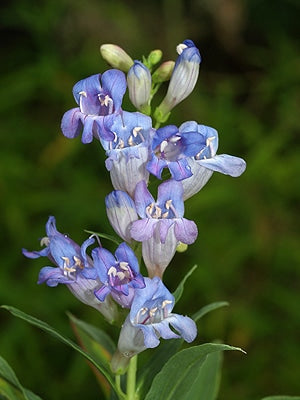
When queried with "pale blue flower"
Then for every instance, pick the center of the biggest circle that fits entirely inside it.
(98, 97)
(204, 163)
(128, 152)
(162, 225)
(150, 319)
(74, 268)
(119, 274)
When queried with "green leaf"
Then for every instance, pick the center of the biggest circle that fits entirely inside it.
(98, 344)
(281, 398)
(10, 386)
(105, 236)
(206, 386)
(210, 307)
(177, 377)
(47, 328)
(178, 292)
(158, 359)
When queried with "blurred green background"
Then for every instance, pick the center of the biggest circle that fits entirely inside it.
(248, 244)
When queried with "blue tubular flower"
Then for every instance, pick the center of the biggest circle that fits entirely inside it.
(149, 320)
(139, 86)
(74, 268)
(121, 213)
(98, 96)
(128, 152)
(120, 274)
(183, 79)
(162, 225)
(170, 149)
(206, 161)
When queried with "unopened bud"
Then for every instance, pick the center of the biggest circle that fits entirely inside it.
(163, 72)
(116, 57)
(183, 79)
(154, 57)
(139, 86)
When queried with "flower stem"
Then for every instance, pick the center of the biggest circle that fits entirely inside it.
(121, 394)
(131, 378)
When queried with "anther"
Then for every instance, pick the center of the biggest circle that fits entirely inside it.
(112, 271)
(83, 93)
(45, 241)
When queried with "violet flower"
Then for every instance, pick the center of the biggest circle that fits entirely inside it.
(204, 163)
(162, 225)
(171, 148)
(98, 96)
(120, 274)
(128, 152)
(150, 319)
(74, 268)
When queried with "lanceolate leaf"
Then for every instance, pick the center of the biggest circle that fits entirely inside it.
(206, 386)
(158, 359)
(206, 309)
(105, 236)
(47, 328)
(177, 377)
(98, 344)
(179, 291)
(10, 386)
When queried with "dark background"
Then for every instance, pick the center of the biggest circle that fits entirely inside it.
(248, 244)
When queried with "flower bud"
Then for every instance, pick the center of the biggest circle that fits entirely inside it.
(121, 213)
(154, 57)
(183, 79)
(139, 86)
(163, 72)
(116, 57)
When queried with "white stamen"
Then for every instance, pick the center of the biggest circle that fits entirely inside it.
(168, 204)
(83, 93)
(78, 262)
(45, 241)
(163, 145)
(124, 265)
(112, 271)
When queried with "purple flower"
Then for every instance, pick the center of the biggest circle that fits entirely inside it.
(170, 149)
(98, 96)
(183, 79)
(150, 319)
(162, 225)
(204, 163)
(128, 152)
(120, 274)
(74, 268)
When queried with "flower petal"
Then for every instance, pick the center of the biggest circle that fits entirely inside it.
(185, 326)
(143, 229)
(185, 230)
(226, 164)
(53, 276)
(180, 169)
(103, 260)
(71, 124)
(126, 254)
(142, 198)
(114, 82)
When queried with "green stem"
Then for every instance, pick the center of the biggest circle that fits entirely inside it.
(121, 394)
(131, 378)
